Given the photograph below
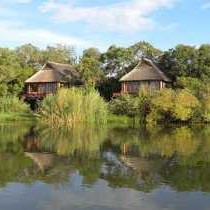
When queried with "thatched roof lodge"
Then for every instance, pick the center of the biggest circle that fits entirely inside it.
(146, 75)
(51, 77)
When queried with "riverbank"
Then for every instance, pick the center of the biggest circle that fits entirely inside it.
(11, 117)
(122, 120)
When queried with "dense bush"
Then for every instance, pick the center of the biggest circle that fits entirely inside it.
(70, 106)
(124, 105)
(167, 105)
(173, 106)
(12, 104)
(132, 106)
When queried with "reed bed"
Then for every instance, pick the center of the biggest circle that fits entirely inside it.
(71, 106)
(12, 104)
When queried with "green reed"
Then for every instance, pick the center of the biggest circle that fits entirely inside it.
(71, 106)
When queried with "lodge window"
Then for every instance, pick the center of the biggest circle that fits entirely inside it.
(43, 88)
(154, 85)
(48, 88)
(133, 87)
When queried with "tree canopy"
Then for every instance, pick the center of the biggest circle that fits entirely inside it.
(97, 68)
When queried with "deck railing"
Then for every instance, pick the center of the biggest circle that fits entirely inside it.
(35, 95)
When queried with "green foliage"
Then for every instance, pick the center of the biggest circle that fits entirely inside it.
(144, 104)
(173, 106)
(13, 73)
(118, 60)
(60, 54)
(167, 105)
(89, 66)
(3, 89)
(201, 90)
(124, 105)
(70, 106)
(192, 84)
(186, 61)
(10, 104)
(108, 86)
(18, 65)
(137, 107)
(29, 54)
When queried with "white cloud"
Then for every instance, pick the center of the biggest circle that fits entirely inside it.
(17, 33)
(133, 15)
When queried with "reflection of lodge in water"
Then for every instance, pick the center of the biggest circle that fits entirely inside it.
(133, 161)
(31, 141)
(146, 169)
(32, 150)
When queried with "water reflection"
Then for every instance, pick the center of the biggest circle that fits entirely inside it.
(142, 160)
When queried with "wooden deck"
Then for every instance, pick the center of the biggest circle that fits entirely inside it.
(34, 95)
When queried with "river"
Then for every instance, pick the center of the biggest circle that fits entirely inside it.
(114, 168)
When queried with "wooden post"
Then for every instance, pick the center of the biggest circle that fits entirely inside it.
(29, 88)
(161, 85)
(123, 87)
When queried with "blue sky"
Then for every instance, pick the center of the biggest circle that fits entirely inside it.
(100, 23)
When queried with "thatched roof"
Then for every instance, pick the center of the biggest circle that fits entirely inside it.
(146, 70)
(55, 72)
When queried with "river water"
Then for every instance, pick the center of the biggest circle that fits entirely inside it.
(113, 168)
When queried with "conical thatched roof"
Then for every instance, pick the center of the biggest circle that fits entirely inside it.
(55, 72)
(146, 70)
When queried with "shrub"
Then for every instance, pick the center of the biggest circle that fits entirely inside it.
(124, 105)
(132, 106)
(171, 105)
(13, 104)
(70, 106)
(185, 105)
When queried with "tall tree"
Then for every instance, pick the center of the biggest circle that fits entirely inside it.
(60, 53)
(180, 61)
(12, 72)
(118, 60)
(145, 49)
(204, 61)
(29, 54)
(90, 67)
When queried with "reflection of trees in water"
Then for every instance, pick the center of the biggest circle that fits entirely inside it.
(179, 157)
(133, 158)
(31, 154)
(80, 141)
(12, 135)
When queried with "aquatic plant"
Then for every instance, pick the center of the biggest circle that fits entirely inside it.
(71, 106)
(12, 104)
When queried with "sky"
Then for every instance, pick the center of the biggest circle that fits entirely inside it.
(101, 23)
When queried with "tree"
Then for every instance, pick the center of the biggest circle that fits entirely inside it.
(60, 54)
(145, 49)
(29, 54)
(90, 66)
(12, 72)
(173, 105)
(180, 61)
(204, 61)
(118, 60)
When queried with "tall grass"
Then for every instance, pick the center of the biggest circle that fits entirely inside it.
(12, 104)
(70, 106)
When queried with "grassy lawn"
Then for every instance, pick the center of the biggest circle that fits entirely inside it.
(120, 120)
(10, 117)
